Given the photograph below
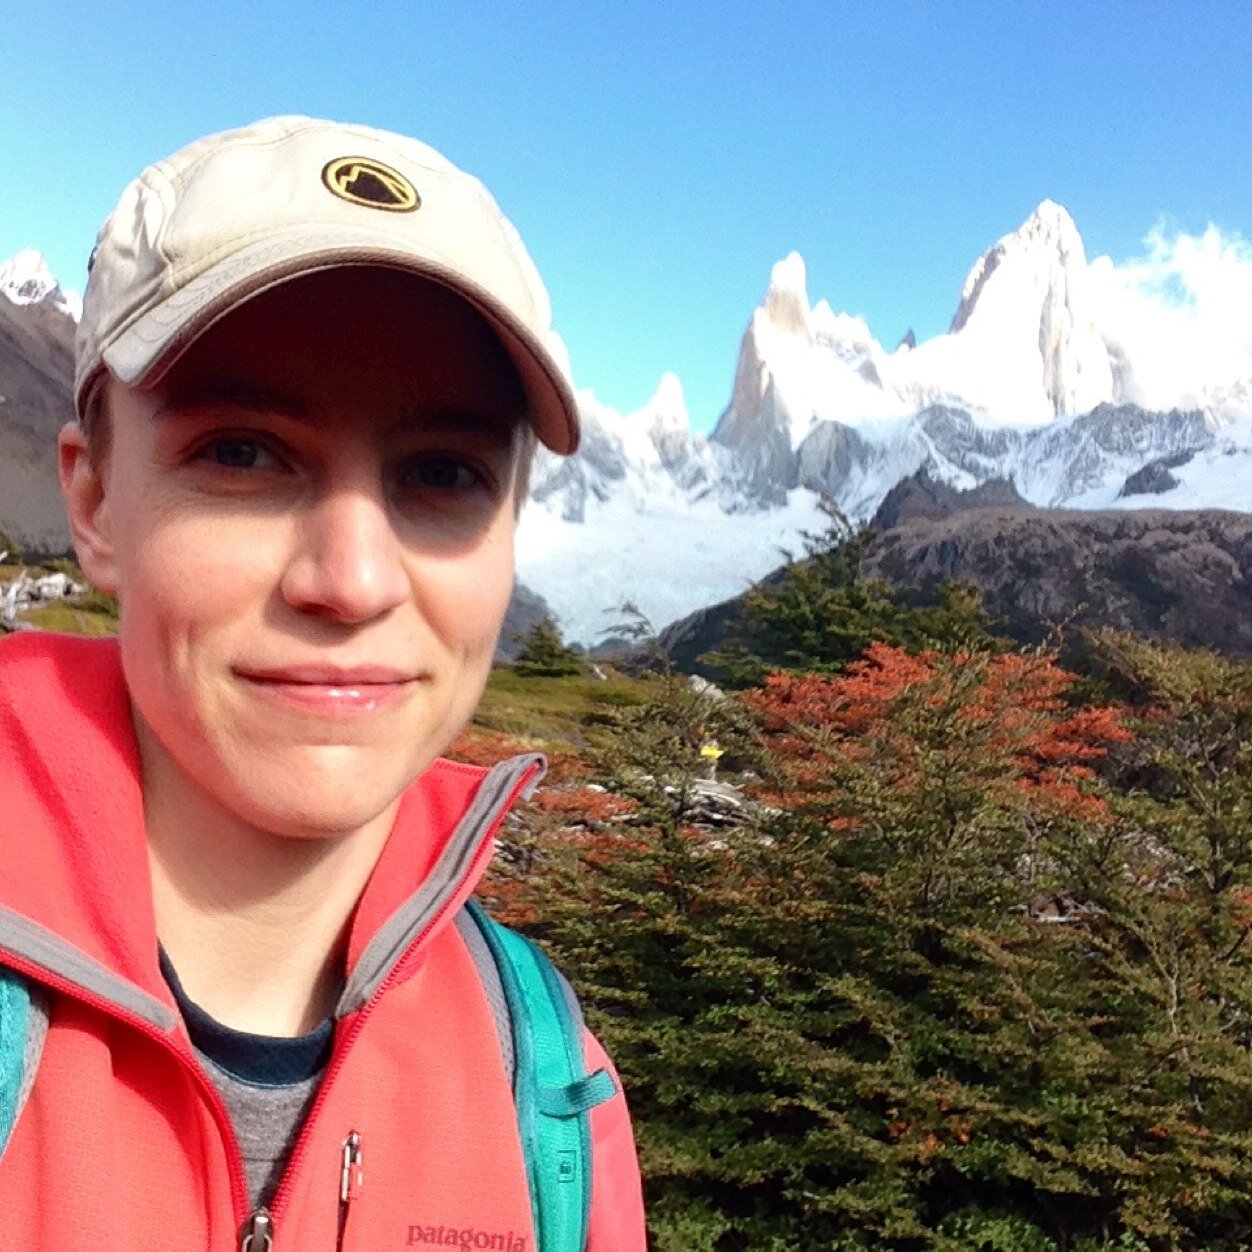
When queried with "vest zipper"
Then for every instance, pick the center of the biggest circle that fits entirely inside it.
(351, 1030)
(258, 1232)
(351, 1180)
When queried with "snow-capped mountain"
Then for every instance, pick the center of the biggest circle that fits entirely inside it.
(1023, 345)
(649, 459)
(1044, 379)
(26, 279)
(1034, 337)
(1035, 382)
(36, 366)
(649, 513)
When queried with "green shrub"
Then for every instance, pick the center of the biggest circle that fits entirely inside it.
(975, 975)
(821, 612)
(543, 652)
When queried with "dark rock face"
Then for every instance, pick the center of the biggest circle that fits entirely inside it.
(1087, 444)
(964, 442)
(1182, 577)
(756, 427)
(689, 638)
(1154, 478)
(592, 473)
(923, 498)
(36, 379)
(830, 454)
(766, 464)
(1050, 464)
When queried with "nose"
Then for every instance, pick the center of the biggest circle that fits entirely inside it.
(347, 564)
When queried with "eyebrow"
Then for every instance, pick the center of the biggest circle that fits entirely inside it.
(253, 398)
(237, 395)
(458, 421)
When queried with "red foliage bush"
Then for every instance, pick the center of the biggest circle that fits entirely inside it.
(477, 746)
(1004, 718)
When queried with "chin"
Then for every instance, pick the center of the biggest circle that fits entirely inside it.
(317, 798)
(311, 812)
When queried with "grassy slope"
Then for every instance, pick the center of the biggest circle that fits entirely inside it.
(571, 713)
(89, 614)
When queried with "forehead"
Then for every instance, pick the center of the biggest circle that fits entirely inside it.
(354, 339)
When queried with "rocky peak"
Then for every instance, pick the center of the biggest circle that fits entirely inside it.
(1053, 228)
(1029, 294)
(26, 279)
(922, 496)
(667, 410)
(787, 300)
(1048, 240)
(798, 366)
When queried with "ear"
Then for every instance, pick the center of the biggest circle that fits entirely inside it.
(83, 489)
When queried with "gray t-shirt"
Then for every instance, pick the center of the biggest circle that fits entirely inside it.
(267, 1120)
(267, 1085)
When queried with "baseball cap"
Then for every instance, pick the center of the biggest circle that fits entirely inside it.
(236, 213)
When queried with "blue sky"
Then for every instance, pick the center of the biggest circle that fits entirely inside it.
(658, 159)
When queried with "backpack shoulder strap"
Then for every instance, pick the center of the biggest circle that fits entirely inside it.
(551, 1087)
(23, 1027)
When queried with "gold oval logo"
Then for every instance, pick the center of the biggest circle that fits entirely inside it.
(360, 180)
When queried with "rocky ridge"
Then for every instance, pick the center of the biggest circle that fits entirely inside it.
(1178, 576)
(36, 370)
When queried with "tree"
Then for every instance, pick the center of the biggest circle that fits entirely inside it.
(1174, 889)
(543, 652)
(822, 611)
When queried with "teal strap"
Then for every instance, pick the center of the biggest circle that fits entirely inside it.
(15, 1025)
(552, 1089)
(578, 1097)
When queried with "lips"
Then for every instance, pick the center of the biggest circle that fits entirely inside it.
(330, 675)
(331, 691)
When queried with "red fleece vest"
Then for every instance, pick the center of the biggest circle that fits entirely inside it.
(123, 1142)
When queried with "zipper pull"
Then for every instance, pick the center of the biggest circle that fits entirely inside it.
(258, 1232)
(352, 1176)
(351, 1179)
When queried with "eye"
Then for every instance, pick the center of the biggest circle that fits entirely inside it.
(238, 452)
(440, 471)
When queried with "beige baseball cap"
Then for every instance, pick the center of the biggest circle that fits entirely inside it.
(236, 213)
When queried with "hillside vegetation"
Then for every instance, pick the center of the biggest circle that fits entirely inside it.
(967, 967)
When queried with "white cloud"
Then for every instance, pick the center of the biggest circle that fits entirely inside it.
(1181, 313)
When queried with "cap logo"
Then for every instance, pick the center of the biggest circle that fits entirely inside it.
(371, 183)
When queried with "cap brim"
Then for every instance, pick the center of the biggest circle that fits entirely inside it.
(150, 345)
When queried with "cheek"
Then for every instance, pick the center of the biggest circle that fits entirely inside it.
(183, 576)
(464, 600)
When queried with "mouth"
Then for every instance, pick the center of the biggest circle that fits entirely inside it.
(332, 691)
